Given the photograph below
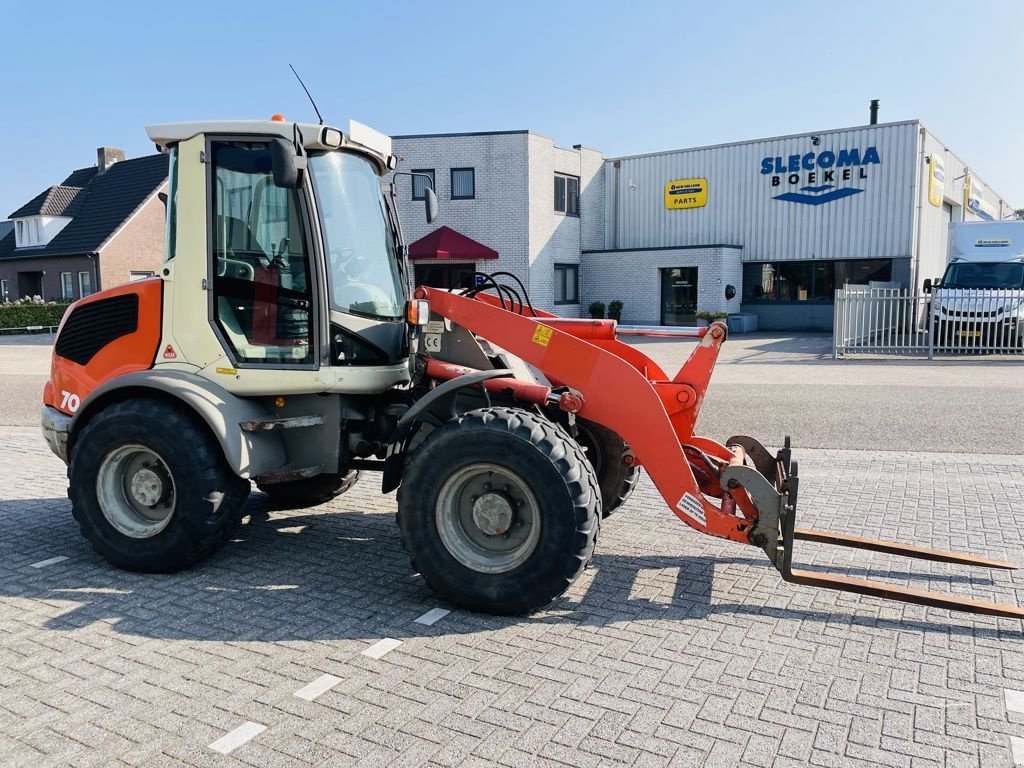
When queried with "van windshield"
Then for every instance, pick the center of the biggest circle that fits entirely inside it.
(1007, 275)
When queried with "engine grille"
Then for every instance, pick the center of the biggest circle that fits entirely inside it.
(91, 327)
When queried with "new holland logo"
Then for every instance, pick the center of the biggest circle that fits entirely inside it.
(815, 174)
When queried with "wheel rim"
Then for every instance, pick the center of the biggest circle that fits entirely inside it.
(488, 518)
(136, 491)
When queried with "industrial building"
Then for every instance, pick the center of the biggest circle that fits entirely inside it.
(770, 226)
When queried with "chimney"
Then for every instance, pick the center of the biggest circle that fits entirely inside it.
(874, 112)
(107, 156)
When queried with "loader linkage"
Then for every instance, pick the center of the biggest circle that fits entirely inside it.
(736, 490)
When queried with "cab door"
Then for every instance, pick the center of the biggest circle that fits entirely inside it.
(263, 295)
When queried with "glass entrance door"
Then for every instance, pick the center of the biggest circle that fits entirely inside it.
(679, 296)
(444, 275)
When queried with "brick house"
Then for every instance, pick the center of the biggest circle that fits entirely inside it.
(100, 227)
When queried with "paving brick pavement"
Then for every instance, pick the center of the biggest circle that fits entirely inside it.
(672, 649)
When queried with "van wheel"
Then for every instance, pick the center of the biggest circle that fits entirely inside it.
(499, 510)
(299, 494)
(605, 449)
(150, 488)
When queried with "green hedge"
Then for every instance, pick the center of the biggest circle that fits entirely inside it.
(24, 315)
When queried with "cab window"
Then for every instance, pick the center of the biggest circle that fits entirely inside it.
(262, 282)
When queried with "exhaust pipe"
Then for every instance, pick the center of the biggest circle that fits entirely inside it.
(874, 112)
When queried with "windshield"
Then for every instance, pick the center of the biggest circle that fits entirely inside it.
(362, 265)
(988, 274)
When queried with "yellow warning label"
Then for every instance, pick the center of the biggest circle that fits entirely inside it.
(542, 335)
(227, 371)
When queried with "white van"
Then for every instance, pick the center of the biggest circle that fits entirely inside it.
(979, 302)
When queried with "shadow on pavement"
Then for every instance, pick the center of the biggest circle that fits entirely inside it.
(344, 575)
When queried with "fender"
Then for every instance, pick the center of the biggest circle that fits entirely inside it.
(248, 453)
(409, 424)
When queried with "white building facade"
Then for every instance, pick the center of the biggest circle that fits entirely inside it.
(770, 227)
(537, 205)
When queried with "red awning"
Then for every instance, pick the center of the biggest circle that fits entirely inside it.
(446, 243)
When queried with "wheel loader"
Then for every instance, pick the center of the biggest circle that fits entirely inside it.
(280, 346)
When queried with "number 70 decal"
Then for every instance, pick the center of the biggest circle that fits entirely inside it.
(69, 401)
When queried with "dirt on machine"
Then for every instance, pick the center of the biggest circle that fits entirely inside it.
(281, 345)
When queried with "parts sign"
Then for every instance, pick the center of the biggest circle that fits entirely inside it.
(686, 193)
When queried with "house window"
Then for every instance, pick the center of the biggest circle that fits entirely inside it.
(84, 284)
(67, 286)
(567, 277)
(420, 184)
(463, 184)
(140, 275)
(567, 194)
(3, 290)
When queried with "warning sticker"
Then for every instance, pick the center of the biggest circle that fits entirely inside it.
(542, 335)
(227, 371)
(169, 353)
(692, 507)
(434, 326)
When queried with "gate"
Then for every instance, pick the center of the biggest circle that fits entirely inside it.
(895, 321)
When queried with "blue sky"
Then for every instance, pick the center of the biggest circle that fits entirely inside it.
(622, 77)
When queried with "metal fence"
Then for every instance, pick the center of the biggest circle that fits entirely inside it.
(894, 321)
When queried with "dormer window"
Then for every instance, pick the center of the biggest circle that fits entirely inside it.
(28, 233)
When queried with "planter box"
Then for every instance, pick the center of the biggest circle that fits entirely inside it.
(742, 322)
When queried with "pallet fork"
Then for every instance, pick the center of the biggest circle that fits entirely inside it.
(736, 490)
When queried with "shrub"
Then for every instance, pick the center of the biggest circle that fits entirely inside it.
(596, 310)
(711, 316)
(23, 313)
(615, 310)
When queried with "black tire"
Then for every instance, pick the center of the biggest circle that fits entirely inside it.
(530, 452)
(299, 494)
(205, 499)
(605, 449)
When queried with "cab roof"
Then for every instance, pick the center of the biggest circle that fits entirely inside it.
(358, 137)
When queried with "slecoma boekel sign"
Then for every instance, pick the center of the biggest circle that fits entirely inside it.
(816, 175)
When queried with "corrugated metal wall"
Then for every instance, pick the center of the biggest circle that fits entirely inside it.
(935, 220)
(875, 223)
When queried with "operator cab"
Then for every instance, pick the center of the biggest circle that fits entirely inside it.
(304, 264)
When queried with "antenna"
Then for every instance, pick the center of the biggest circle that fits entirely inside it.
(307, 94)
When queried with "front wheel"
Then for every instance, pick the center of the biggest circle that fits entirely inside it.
(606, 452)
(150, 488)
(499, 510)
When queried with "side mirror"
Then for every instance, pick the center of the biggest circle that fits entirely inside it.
(285, 164)
(927, 287)
(430, 201)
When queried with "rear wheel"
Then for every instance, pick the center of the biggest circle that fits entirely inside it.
(499, 510)
(150, 488)
(605, 451)
(299, 494)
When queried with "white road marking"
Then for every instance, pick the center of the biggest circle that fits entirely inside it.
(51, 561)
(321, 685)
(378, 649)
(1017, 751)
(229, 742)
(1014, 700)
(431, 617)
